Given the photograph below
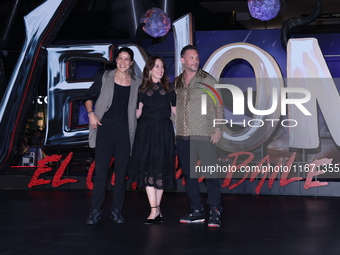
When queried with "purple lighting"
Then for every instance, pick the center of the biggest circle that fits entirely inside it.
(264, 9)
(157, 23)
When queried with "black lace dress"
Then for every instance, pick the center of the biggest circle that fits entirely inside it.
(152, 161)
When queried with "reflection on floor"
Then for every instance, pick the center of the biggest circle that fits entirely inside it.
(53, 222)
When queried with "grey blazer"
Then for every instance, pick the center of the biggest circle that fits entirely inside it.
(104, 101)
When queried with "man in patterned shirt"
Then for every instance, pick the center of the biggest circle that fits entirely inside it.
(196, 135)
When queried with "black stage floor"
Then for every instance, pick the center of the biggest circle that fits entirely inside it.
(53, 222)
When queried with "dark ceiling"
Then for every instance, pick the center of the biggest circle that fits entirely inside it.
(111, 19)
(289, 9)
(117, 19)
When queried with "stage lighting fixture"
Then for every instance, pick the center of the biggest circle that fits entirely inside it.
(264, 9)
(157, 23)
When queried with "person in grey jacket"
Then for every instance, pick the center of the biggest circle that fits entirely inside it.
(111, 106)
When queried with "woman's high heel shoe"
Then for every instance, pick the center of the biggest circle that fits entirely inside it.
(159, 217)
(151, 221)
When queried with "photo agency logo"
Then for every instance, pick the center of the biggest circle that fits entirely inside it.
(209, 90)
(254, 108)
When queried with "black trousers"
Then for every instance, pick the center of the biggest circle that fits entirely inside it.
(112, 140)
(188, 153)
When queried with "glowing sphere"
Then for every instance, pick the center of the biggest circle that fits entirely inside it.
(264, 9)
(157, 23)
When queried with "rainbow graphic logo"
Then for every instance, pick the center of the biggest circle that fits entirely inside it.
(210, 94)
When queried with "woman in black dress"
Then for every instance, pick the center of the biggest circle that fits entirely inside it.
(152, 163)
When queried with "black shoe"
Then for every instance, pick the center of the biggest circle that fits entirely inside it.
(214, 219)
(116, 216)
(95, 217)
(160, 218)
(151, 221)
(195, 216)
(155, 220)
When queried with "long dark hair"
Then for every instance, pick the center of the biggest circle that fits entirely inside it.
(147, 80)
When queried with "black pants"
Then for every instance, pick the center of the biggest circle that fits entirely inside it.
(189, 152)
(112, 140)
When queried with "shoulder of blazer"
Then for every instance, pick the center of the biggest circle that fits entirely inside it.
(136, 79)
(109, 72)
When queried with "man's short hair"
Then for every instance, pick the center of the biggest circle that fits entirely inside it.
(186, 48)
